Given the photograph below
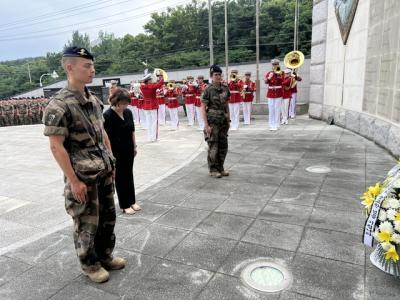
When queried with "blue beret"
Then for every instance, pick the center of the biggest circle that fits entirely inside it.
(215, 69)
(77, 52)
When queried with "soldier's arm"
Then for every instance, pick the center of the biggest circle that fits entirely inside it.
(107, 141)
(205, 98)
(61, 155)
(78, 188)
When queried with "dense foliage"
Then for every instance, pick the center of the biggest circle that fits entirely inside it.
(177, 38)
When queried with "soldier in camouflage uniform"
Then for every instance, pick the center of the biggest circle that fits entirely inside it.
(215, 112)
(74, 123)
(2, 114)
(9, 112)
(23, 110)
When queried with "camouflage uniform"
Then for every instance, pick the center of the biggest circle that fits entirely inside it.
(215, 99)
(80, 121)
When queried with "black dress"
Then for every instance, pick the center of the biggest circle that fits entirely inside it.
(119, 132)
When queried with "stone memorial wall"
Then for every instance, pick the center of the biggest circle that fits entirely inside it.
(358, 83)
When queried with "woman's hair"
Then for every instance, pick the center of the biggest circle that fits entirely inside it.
(119, 95)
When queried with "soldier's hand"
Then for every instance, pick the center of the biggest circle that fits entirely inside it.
(79, 190)
(208, 129)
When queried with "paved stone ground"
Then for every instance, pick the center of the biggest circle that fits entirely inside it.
(196, 233)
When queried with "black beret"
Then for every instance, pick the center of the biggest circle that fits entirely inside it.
(77, 52)
(215, 69)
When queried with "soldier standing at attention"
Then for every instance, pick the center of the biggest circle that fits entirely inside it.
(74, 124)
(215, 112)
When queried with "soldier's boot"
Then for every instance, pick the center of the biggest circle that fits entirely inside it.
(215, 174)
(116, 263)
(224, 173)
(99, 276)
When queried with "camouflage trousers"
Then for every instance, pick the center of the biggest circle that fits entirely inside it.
(94, 223)
(217, 147)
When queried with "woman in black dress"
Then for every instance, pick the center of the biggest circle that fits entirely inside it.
(119, 125)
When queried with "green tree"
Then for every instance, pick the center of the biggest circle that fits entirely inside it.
(78, 40)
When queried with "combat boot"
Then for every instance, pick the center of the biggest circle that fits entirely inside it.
(116, 263)
(224, 173)
(99, 276)
(215, 174)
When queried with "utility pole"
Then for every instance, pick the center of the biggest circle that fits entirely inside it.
(296, 26)
(257, 51)
(29, 73)
(226, 40)
(210, 33)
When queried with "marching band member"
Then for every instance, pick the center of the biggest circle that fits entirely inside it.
(274, 94)
(150, 105)
(142, 115)
(293, 101)
(200, 89)
(134, 106)
(171, 95)
(286, 96)
(248, 89)
(161, 105)
(188, 92)
(235, 86)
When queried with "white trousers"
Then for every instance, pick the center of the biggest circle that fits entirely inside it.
(234, 110)
(151, 124)
(292, 107)
(135, 113)
(199, 118)
(247, 112)
(161, 114)
(173, 114)
(285, 111)
(274, 107)
(190, 113)
(142, 118)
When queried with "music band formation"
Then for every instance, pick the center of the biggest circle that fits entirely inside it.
(154, 96)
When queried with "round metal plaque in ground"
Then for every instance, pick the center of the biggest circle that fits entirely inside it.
(318, 169)
(266, 276)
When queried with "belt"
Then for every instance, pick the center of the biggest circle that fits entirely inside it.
(160, 96)
(172, 98)
(275, 87)
(234, 92)
(248, 92)
(198, 97)
(189, 95)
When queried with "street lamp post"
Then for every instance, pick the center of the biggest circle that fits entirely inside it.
(53, 75)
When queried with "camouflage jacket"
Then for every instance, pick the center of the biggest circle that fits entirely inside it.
(215, 98)
(80, 121)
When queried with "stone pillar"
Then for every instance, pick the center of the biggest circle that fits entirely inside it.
(318, 52)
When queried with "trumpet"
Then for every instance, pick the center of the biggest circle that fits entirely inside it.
(233, 77)
(171, 85)
(277, 70)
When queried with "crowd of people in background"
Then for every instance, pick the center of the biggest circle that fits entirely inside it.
(22, 111)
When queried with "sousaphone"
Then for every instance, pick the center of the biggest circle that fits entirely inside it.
(293, 60)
